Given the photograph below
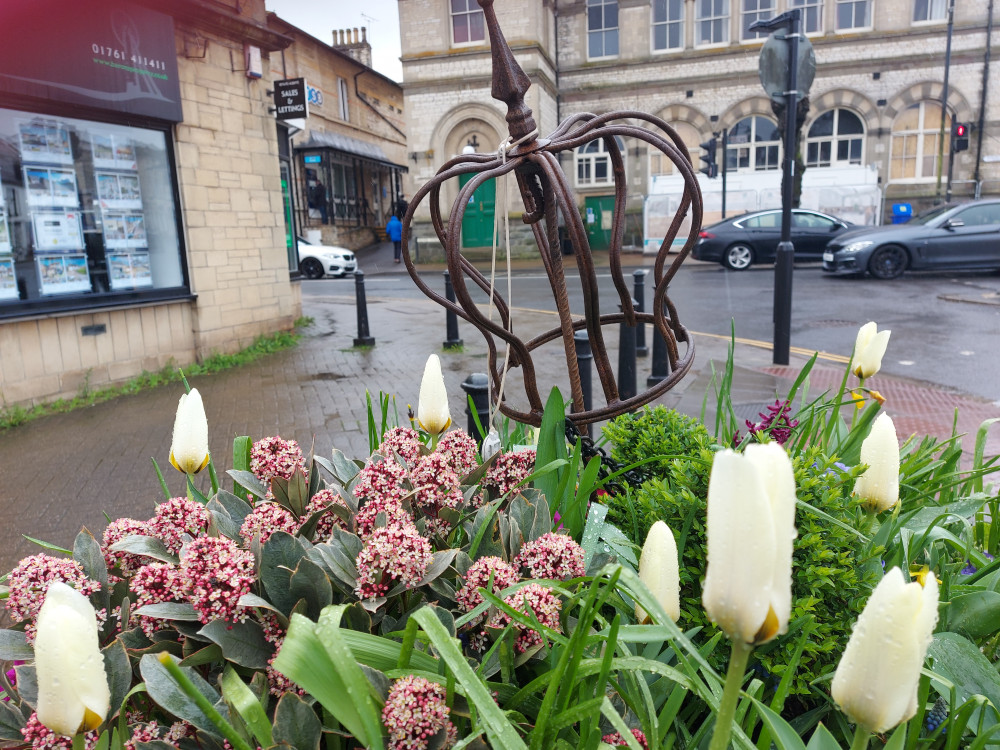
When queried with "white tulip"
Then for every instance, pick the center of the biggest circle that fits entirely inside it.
(878, 675)
(751, 529)
(73, 694)
(658, 570)
(869, 350)
(879, 485)
(189, 447)
(432, 409)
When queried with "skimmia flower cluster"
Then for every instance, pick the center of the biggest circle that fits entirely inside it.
(616, 740)
(29, 581)
(542, 603)
(509, 470)
(274, 457)
(554, 556)
(415, 713)
(391, 555)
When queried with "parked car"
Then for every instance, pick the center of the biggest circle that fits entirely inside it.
(949, 237)
(753, 238)
(315, 261)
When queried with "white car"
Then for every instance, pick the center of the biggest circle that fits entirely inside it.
(316, 261)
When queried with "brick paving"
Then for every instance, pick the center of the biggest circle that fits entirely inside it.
(65, 471)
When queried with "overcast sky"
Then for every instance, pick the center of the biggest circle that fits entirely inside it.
(380, 17)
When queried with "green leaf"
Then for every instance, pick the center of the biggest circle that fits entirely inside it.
(242, 447)
(278, 558)
(551, 445)
(87, 551)
(781, 731)
(309, 582)
(296, 723)
(976, 615)
(327, 669)
(499, 730)
(208, 655)
(961, 662)
(823, 740)
(248, 481)
(242, 699)
(47, 545)
(169, 611)
(14, 647)
(11, 722)
(27, 683)
(119, 671)
(164, 690)
(148, 546)
(241, 642)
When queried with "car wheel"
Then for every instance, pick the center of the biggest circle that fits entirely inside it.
(739, 257)
(311, 268)
(888, 262)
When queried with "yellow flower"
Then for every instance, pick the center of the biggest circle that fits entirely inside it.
(750, 528)
(658, 570)
(432, 409)
(879, 485)
(189, 447)
(919, 573)
(877, 396)
(859, 398)
(73, 694)
(868, 350)
(876, 681)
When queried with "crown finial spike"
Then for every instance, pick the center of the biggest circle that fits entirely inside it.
(510, 82)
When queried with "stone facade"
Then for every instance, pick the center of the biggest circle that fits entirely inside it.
(228, 180)
(876, 72)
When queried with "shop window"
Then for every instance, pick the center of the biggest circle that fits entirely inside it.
(754, 146)
(755, 10)
(87, 214)
(668, 25)
(468, 24)
(929, 10)
(916, 137)
(836, 138)
(711, 22)
(812, 15)
(660, 164)
(854, 14)
(602, 28)
(593, 164)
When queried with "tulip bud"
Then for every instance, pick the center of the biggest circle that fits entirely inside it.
(869, 350)
(879, 485)
(658, 570)
(750, 528)
(432, 409)
(73, 694)
(189, 448)
(876, 681)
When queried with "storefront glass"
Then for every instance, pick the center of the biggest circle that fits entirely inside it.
(87, 214)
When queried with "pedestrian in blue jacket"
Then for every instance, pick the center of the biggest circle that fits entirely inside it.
(395, 231)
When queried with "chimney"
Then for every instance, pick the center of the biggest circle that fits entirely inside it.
(356, 45)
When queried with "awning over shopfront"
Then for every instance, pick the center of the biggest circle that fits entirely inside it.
(354, 147)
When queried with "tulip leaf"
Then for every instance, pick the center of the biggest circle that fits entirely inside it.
(169, 611)
(164, 690)
(823, 740)
(242, 447)
(781, 731)
(11, 722)
(279, 556)
(48, 545)
(925, 517)
(242, 642)
(118, 668)
(960, 661)
(14, 647)
(242, 698)
(296, 723)
(976, 615)
(551, 444)
(148, 546)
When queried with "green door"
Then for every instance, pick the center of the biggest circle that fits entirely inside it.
(597, 212)
(477, 226)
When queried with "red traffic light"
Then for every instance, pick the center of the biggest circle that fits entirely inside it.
(960, 129)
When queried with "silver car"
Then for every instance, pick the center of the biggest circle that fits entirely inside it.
(316, 261)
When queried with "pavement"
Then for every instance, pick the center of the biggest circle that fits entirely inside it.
(65, 471)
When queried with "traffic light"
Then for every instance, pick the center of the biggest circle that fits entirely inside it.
(959, 137)
(711, 168)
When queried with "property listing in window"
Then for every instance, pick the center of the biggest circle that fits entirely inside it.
(86, 208)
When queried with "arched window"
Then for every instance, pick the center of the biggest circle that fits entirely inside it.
(915, 141)
(754, 146)
(593, 163)
(660, 163)
(836, 138)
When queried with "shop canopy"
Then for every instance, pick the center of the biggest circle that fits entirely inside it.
(353, 147)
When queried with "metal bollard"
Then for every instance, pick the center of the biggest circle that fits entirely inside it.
(584, 358)
(364, 337)
(451, 318)
(477, 385)
(661, 364)
(626, 361)
(639, 276)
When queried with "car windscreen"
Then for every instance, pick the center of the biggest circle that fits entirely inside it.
(930, 214)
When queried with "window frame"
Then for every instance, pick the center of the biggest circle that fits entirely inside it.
(921, 134)
(930, 21)
(726, 20)
(590, 159)
(471, 9)
(835, 139)
(603, 4)
(838, 4)
(653, 24)
(343, 103)
(753, 36)
(752, 145)
(804, 6)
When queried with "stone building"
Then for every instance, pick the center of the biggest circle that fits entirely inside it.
(874, 128)
(350, 155)
(141, 197)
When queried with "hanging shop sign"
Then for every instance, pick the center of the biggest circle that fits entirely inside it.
(290, 99)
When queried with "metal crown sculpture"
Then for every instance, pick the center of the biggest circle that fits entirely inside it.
(545, 191)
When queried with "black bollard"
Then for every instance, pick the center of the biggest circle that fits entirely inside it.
(451, 318)
(626, 361)
(639, 276)
(364, 337)
(584, 359)
(661, 364)
(477, 385)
